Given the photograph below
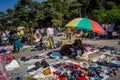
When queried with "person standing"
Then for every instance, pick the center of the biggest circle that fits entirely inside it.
(50, 35)
(110, 31)
(31, 37)
(16, 42)
(118, 31)
(68, 32)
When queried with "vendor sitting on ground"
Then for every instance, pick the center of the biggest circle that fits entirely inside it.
(78, 47)
(73, 50)
(65, 50)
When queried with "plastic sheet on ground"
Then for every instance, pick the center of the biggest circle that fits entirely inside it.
(12, 65)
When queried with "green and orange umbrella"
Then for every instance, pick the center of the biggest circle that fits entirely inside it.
(86, 24)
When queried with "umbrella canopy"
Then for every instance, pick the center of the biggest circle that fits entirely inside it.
(86, 24)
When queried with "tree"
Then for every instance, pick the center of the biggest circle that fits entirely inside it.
(107, 15)
(3, 21)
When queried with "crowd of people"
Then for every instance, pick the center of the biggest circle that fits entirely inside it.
(18, 38)
(109, 28)
(35, 36)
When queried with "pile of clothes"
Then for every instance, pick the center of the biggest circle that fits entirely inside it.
(68, 70)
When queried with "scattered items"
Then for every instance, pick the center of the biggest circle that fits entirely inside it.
(96, 63)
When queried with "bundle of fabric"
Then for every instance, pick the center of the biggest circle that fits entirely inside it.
(30, 59)
(62, 71)
(78, 35)
(54, 54)
(7, 58)
(4, 51)
(26, 48)
(67, 42)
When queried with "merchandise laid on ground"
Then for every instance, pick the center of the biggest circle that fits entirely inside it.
(97, 63)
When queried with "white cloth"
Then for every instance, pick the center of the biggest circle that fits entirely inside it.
(12, 65)
(79, 52)
(50, 32)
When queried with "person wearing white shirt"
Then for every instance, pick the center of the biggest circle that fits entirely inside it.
(50, 35)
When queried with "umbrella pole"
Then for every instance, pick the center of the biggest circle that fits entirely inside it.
(80, 11)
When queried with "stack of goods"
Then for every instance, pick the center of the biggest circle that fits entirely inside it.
(62, 71)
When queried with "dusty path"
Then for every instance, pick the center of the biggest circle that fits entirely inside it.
(111, 43)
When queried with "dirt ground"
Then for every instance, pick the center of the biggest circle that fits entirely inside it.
(111, 43)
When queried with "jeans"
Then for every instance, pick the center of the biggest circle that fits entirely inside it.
(16, 50)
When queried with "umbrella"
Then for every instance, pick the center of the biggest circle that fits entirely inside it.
(86, 24)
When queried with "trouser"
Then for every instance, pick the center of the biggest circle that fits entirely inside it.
(68, 36)
(51, 41)
(16, 50)
(109, 35)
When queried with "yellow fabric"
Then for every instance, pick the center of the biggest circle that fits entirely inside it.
(73, 23)
(21, 32)
(47, 71)
(67, 42)
(48, 43)
(32, 35)
(78, 35)
(86, 34)
(68, 30)
(28, 75)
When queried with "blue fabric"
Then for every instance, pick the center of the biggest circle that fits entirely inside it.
(110, 65)
(17, 43)
(3, 51)
(54, 54)
(20, 74)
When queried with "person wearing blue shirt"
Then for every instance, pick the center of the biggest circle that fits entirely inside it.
(110, 31)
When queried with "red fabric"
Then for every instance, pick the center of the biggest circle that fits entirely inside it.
(9, 59)
(77, 66)
(55, 72)
(62, 78)
(83, 78)
(66, 66)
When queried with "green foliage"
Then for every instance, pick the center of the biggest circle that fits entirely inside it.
(108, 15)
(32, 14)
(110, 5)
